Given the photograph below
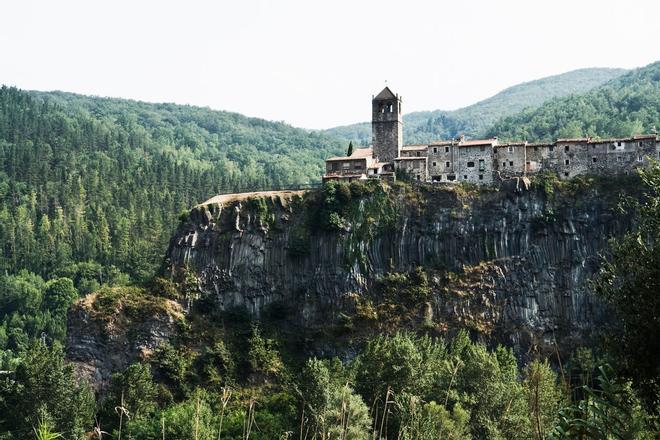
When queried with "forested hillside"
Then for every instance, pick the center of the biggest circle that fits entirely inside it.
(103, 180)
(474, 120)
(626, 106)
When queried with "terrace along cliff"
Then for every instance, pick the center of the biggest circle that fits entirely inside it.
(511, 264)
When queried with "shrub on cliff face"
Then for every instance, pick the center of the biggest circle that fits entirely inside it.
(629, 283)
(262, 355)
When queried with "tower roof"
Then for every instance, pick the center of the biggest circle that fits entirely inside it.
(386, 93)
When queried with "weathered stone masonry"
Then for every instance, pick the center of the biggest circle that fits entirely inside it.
(484, 161)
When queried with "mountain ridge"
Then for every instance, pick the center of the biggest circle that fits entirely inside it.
(428, 125)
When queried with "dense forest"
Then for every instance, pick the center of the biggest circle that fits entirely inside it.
(101, 180)
(476, 119)
(625, 106)
(90, 191)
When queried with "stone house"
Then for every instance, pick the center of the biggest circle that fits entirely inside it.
(481, 161)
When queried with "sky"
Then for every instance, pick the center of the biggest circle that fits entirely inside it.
(315, 64)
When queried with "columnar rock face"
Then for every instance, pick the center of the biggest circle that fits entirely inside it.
(522, 256)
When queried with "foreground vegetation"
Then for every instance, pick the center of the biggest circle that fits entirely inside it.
(226, 376)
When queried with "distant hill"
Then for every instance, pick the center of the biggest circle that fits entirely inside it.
(625, 106)
(476, 119)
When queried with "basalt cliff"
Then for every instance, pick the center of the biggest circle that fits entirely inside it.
(510, 264)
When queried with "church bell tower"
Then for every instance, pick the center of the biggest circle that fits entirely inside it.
(386, 125)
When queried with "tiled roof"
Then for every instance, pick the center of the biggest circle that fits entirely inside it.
(417, 147)
(386, 93)
(358, 153)
(513, 144)
(442, 143)
(573, 141)
(477, 142)
(411, 158)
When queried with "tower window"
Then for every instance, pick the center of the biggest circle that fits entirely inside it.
(390, 108)
(640, 159)
(567, 162)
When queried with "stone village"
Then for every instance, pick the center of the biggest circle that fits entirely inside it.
(484, 161)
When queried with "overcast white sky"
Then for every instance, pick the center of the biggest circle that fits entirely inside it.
(310, 63)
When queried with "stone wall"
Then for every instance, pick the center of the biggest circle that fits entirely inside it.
(387, 129)
(475, 164)
(442, 162)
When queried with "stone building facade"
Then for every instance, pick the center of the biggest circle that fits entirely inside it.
(386, 125)
(482, 161)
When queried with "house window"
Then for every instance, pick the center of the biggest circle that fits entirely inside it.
(510, 163)
(482, 148)
(566, 148)
(447, 164)
(552, 148)
(465, 177)
(358, 166)
(434, 164)
(618, 158)
(618, 144)
(417, 154)
(481, 177)
(640, 159)
(566, 174)
(640, 144)
(435, 149)
(446, 149)
(504, 164)
(451, 177)
(594, 159)
(567, 162)
(482, 165)
(509, 149)
(417, 177)
(470, 164)
(346, 165)
(536, 148)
